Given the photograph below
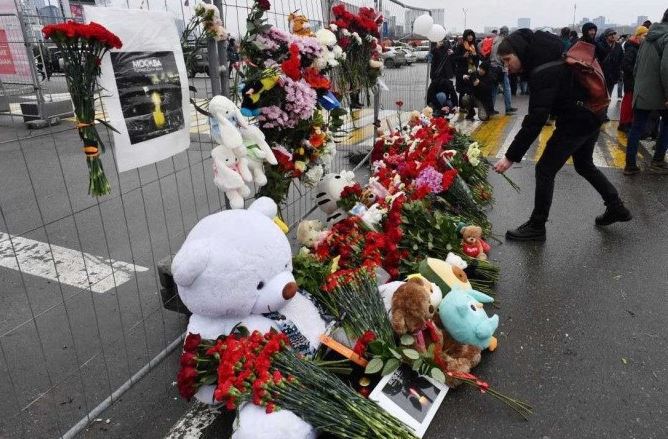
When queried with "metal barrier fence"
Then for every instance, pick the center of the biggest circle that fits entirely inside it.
(82, 315)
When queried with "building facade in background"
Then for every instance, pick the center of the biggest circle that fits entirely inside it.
(439, 16)
(599, 21)
(641, 19)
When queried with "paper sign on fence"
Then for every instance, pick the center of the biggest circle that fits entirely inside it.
(145, 86)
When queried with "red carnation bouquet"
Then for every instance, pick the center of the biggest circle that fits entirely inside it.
(83, 46)
(264, 370)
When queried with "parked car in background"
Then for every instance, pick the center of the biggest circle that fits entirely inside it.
(394, 57)
(410, 56)
(421, 52)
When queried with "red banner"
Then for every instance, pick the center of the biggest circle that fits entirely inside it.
(6, 61)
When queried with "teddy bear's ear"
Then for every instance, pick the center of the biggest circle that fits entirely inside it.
(190, 261)
(266, 206)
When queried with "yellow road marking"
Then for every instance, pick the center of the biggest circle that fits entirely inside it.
(543, 137)
(491, 134)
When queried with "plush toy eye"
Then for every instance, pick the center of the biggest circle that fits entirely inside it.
(337, 177)
(473, 308)
(260, 285)
(431, 309)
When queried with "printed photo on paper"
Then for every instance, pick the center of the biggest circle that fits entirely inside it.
(411, 398)
(149, 90)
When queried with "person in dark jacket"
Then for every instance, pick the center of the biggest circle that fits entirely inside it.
(441, 61)
(650, 93)
(554, 91)
(589, 31)
(574, 37)
(566, 38)
(442, 97)
(466, 59)
(628, 63)
(609, 54)
(483, 83)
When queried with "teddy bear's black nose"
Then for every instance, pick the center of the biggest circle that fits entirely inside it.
(289, 290)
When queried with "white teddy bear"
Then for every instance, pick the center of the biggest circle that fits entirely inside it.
(235, 267)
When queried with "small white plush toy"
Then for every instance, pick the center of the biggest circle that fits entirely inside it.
(257, 149)
(253, 143)
(310, 233)
(229, 174)
(329, 193)
(235, 267)
(223, 131)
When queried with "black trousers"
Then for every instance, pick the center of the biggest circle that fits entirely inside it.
(564, 143)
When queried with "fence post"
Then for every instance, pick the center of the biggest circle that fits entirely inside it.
(214, 65)
(31, 60)
(224, 75)
(376, 92)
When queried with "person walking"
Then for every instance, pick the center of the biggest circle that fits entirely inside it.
(650, 93)
(466, 59)
(610, 57)
(628, 63)
(554, 90)
(502, 72)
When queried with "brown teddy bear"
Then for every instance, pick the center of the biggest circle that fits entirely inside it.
(458, 357)
(411, 307)
(473, 244)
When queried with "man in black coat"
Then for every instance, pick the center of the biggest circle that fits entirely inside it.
(610, 54)
(441, 61)
(554, 91)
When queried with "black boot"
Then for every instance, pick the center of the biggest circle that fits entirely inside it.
(616, 212)
(529, 231)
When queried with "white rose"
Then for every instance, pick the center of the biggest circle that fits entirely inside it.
(333, 27)
(326, 37)
(474, 161)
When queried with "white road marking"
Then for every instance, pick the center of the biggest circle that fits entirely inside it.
(81, 270)
(192, 424)
(517, 125)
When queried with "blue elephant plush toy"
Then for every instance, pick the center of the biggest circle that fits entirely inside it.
(463, 316)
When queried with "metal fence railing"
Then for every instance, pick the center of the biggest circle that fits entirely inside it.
(81, 313)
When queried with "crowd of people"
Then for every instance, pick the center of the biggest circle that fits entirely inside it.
(636, 65)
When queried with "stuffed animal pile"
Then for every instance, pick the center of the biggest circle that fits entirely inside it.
(239, 158)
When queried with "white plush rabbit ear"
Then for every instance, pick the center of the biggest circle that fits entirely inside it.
(241, 120)
(189, 262)
(266, 206)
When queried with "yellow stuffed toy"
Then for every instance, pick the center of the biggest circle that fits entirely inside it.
(299, 25)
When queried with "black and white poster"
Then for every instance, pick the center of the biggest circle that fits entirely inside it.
(149, 89)
(411, 398)
(146, 96)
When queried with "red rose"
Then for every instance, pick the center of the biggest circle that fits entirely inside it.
(188, 359)
(192, 342)
(270, 407)
(399, 104)
(264, 5)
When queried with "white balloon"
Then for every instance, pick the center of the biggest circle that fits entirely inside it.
(422, 25)
(436, 34)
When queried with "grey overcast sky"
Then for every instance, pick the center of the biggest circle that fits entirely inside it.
(481, 13)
